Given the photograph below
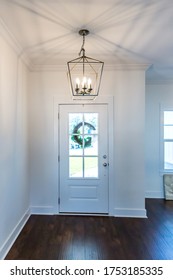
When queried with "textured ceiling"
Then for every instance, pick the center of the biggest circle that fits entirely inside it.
(121, 31)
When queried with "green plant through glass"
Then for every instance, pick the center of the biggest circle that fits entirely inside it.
(80, 140)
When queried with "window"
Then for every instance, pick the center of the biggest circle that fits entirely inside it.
(83, 145)
(168, 140)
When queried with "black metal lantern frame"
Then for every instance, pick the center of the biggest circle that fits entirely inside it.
(84, 74)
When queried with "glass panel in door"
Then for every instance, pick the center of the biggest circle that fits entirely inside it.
(83, 145)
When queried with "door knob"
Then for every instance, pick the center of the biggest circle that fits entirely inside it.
(104, 164)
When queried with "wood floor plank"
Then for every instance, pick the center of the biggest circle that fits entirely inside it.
(98, 238)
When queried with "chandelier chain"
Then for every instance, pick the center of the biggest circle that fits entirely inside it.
(82, 47)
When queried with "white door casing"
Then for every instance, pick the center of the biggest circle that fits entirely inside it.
(84, 164)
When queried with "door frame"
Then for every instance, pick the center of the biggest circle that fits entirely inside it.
(109, 101)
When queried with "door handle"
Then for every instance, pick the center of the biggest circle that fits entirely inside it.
(104, 164)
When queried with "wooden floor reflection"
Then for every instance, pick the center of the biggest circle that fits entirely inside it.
(98, 238)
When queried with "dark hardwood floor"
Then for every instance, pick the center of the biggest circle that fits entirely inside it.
(98, 238)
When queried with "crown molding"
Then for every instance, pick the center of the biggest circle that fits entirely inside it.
(161, 81)
(128, 66)
(48, 67)
(107, 67)
(13, 42)
(27, 61)
(9, 37)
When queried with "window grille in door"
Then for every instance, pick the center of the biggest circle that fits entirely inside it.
(83, 145)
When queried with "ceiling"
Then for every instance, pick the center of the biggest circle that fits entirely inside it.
(121, 31)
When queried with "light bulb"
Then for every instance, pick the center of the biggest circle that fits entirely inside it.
(89, 83)
(84, 82)
(77, 83)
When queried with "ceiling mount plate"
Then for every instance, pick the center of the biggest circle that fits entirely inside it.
(84, 32)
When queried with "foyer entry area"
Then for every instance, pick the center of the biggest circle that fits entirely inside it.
(98, 238)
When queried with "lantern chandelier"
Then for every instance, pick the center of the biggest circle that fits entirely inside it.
(84, 73)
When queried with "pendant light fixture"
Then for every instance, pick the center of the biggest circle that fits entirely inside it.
(84, 73)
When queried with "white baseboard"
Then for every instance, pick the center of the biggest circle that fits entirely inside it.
(42, 210)
(154, 194)
(13, 235)
(130, 213)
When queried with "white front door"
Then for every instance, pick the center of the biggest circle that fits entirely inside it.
(83, 158)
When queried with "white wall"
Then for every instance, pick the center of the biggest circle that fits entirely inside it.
(128, 89)
(129, 142)
(43, 172)
(157, 96)
(14, 192)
